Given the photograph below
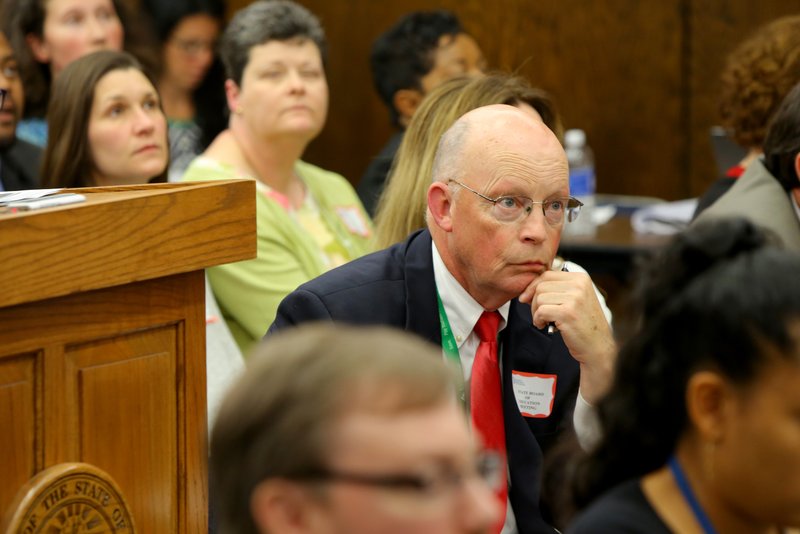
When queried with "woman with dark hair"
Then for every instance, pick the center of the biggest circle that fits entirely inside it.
(107, 125)
(701, 429)
(191, 78)
(47, 35)
(309, 220)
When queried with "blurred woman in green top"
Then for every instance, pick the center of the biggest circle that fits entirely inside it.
(308, 220)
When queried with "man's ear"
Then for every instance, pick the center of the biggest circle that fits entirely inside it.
(406, 102)
(797, 168)
(279, 505)
(439, 205)
(39, 49)
(232, 92)
(709, 404)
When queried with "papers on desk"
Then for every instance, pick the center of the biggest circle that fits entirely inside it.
(18, 201)
(602, 214)
(26, 194)
(665, 218)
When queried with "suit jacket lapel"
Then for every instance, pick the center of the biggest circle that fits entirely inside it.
(422, 313)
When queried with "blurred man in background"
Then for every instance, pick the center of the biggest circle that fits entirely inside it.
(19, 160)
(421, 51)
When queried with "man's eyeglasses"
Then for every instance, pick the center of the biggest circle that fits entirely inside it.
(3, 93)
(488, 467)
(511, 209)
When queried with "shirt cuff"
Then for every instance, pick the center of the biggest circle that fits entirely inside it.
(587, 426)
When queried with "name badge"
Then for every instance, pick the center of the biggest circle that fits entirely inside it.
(535, 393)
(354, 220)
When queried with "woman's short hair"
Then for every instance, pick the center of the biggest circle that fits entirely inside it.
(264, 21)
(757, 76)
(722, 296)
(67, 160)
(402, 206)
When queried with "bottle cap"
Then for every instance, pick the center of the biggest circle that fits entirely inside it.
(575, 138)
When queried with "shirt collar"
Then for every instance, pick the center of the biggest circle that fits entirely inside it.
(462, 310)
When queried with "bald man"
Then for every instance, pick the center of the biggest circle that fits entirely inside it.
(496, 209)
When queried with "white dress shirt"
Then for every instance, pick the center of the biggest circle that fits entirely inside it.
(463, 313)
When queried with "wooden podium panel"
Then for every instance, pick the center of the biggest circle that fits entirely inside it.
(102, 344)
(18, 398)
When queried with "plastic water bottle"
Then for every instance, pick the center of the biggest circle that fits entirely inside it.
(582, 183)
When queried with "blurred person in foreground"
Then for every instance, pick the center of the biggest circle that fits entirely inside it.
(768, 193)
(758, 75)
(700, 430)
(19, 160)
(346, 430)
(478, 282)
(309, 220)
(421, 51)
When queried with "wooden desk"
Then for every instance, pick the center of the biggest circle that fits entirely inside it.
(611, 257)
(102, 340)
(613, 250)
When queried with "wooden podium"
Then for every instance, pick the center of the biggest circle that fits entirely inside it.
(102, 340)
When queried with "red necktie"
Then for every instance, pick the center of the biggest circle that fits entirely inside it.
(486, 397)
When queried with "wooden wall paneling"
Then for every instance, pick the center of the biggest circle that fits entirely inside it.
(639, 77)
(358, 121)
(717, 27)
(614, 69)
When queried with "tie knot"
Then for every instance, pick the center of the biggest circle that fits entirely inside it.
(487, 325)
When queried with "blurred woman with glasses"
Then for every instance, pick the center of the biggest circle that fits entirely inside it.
(191, 78)
(19, 160)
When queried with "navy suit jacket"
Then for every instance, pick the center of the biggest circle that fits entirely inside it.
(396, 287)
(19, 165)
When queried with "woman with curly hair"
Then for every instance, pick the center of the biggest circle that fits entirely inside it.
(757, 76)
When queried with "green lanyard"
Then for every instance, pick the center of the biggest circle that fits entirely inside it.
(450, 348)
